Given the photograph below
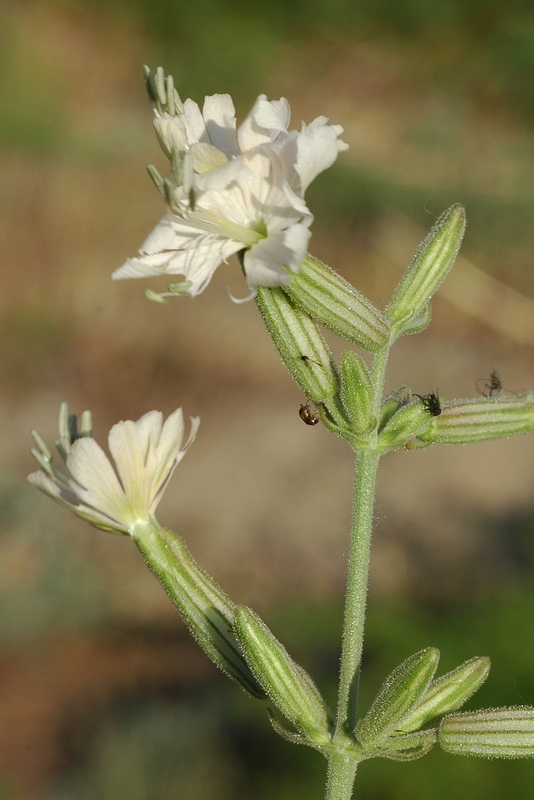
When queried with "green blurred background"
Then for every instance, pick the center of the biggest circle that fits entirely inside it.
(102, 693)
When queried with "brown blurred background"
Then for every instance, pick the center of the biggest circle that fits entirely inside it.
(102, 693)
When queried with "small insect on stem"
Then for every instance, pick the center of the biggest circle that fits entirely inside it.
(491, 386)
(309, 416)
(431, 402)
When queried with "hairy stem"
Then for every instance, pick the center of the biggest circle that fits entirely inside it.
(342, 769)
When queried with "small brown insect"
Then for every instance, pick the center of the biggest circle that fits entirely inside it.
(491, 386)
(431, 402)
(307, 415)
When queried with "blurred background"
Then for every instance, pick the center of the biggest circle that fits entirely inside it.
(102, 692)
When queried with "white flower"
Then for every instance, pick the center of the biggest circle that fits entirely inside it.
(235, 189)
(114, 495)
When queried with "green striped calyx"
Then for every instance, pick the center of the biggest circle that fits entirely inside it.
(205, 608)
(287, 684)
(332, 301)
(409, 310)
(491, 733)
(300, 344)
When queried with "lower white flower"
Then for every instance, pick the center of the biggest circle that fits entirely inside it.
(234, 189)
(114, 495)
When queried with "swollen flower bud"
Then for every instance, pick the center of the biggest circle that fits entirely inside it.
(391, 404)
(492, 733)
(299, 343)
(448, 693)
(409, 421)
(286, 683)
(408, 310)
(478, 420)
(332, 301)
(357, 393)
(400, 692)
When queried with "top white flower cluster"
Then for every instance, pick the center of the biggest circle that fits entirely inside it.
(235, 189)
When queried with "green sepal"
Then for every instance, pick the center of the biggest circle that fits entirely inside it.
(408, 310)
(285, 733)
(492, 733)
(336, 304)
(405, 747)
(357, 393)
(207, 611)
(448, 693)
(300, 345)
(419, 322)
(400, 692)
(286, 683)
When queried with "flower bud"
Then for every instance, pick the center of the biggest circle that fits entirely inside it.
(299, 343)
(408, 310)
(286, 683)
(478, 420)
(391, 404)
(399, 693)
(357, 393)
(448, 693)
(332, 301)
(491, 733)
(411, 420)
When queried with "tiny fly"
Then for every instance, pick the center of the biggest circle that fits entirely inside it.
(431, 402)
(491, 386)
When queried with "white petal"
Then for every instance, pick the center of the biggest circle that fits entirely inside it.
(144, 267)
(249, 133)
(97, 483)
(194, 124)
(200, 262)
(338, 129)
(220, 177)
(184, 251)
(170, 451)
(170, 132)
(68, 499)
(206, 157)
(287, 248)
(317, 150)
(219, 116)
(132, 444)
(274, 115)
(162, 237)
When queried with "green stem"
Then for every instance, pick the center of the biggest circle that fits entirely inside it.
(342, 769)
(357, 580)
(341, 774)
